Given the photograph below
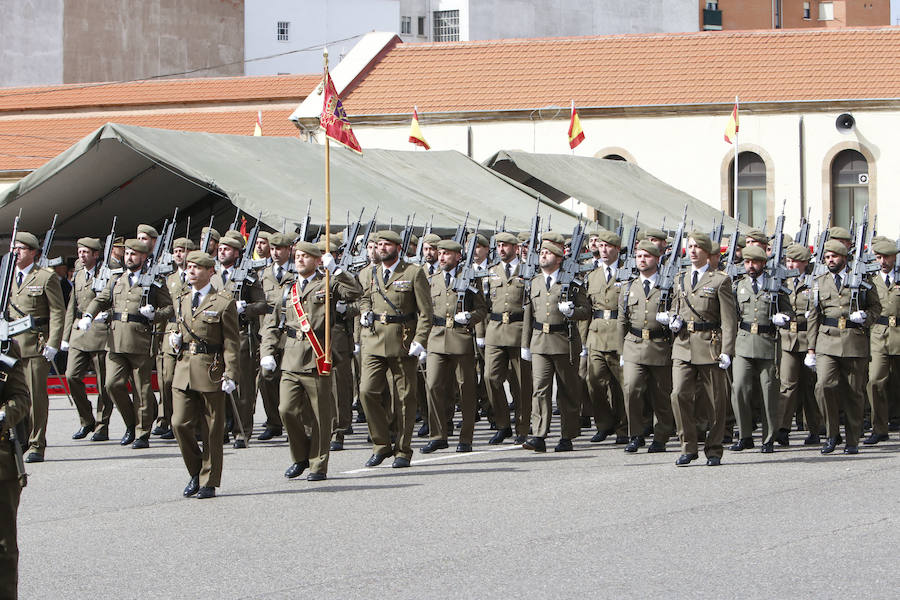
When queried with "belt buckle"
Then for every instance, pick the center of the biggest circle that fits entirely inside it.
(545, 327)
(448, 322)
(304, 325)
(842, 323)
(382, 318)
(192, 347)
(892, 321)
(645, 334)
(505, 318)
(691, 326)
(793, 326)
(754, 328)
(607, 314)
(123, 317)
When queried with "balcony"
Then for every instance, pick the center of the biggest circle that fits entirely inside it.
(712, 20)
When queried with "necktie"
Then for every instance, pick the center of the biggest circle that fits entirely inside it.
(608, 274)
(279, 274)
(646, 288)
(387, 275)
(837, 281)
(19, 279)
(303, 285)
(447, 280)
(596, 264)
(195, 301)
(225, 276)
(887, 281)
(431, 269)
(694, 279)
(508, 271)
(131, 280)
(755, 286)
(549, 281)
(87, 275)
(183, 277)
(796, 283)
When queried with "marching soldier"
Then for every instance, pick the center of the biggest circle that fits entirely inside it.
(342, 345)
(395, 316)
(148, 235)
(207, 342)
(551, 341)
(36, 292)
(646, 349)
(885, 342)
(451, 351)
(129, 355)
(431, 266)
(503, 341)
(839, 348)
(797, 381)
(704, 323)
(117, 260)
(212, 246)
(754, 360)
(263, 247)
(87, 349)
(306, 405)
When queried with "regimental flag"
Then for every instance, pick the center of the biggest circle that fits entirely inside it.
(415, 133)
(244, 233)
(733, 125)
(334, 120)
(258, 129)
(576, 134)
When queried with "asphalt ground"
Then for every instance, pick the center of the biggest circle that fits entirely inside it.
(99, 520)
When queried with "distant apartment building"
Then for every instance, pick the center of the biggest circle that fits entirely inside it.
(792, 14)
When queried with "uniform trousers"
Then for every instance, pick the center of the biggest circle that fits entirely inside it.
(839, 387)
(165, 371)
(605, 392)
(499, 362)
(204, 410)
(140, 412)
(342, 393)
(374, 374)
(648, 385)
(9, 508)
(268, 383)
(755, 377)
(307, 411)
(80, 362)
(712, 381)
(880, 392)
(798, 392)
(36, 370)
(543, 369)
(442, 370)
(245, 394)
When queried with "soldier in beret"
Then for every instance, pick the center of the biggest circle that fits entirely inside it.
(148, 235)
(263, 249)
(117, 255)
(842, 235)
(212, 246)
(884, 342)
(757, 237)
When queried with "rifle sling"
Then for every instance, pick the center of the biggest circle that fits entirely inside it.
(687, 300)
(380, 291)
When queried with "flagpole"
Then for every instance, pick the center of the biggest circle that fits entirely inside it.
(736, 142)
(327, 231)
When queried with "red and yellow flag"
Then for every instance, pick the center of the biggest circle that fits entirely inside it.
(258, 129)
(334, 120)
(415, 133)
(576, 135)
(733, 125)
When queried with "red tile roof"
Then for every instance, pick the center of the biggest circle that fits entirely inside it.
(632, 70)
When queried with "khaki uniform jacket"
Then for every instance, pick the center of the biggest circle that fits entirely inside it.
(454, 338)
(274, 291)
(215, 323)
(793, 337)
(603, 295)
(131, 337)
(94, 339)
(754, 309)
(504, 296)
(885, 339)
(252, 293)
(177, 287)
(41, 297)
(16, 401)
(542, 310)
(653, 346)
(713, 299)
(828, 303)
(408, 290)
(299, 356)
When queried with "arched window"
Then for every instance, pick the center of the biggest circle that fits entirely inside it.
(751, 197)
(849, 187)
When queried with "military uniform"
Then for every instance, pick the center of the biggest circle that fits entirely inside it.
(885, 350)
(167, 357)
(797, 381)
(277, 294)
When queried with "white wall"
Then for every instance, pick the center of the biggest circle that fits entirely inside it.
(312, 22)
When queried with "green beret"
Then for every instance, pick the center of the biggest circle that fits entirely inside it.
(28, 239)
(798, 252)
(413, 240)
(885, 247)
(656, 233)
(840, 233)
(741, 241)
(234, 233)
(786, 240)
(702, 240)
(610, 237)
(836, 247)
(431, 239)
(148, 230)
(334, 247)
(388, 236)
(308, 248)
(551, 247)
(90, 243)
(754, 253)
(881, 237)
(450, 245)
(506, 237)
(648, 246)
(227, 240)
(523, 236)
(264, 235)
(201, 259)
(553, 236)
(281, 240)
(119, 242)
(185, 243)
(137, 246)
(480, 240)
(213, 234)
(757, 235)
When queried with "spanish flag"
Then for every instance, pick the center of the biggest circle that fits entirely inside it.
(258, 129)
(415, 133)
(576, 135)
(733, 125)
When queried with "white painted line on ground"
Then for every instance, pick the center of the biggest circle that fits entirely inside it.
(376, 470)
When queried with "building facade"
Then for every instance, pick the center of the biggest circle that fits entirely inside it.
(732, 15)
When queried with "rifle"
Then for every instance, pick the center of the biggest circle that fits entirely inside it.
(349, 239)
(492, 246)
(303, 227)
(187, 228)
(670, 268)
(148, 277)
(420, 247)
(237, 220)
(629, 264)
(715, 235)
(530, 265)
(405, 236)
(164, 243)
(570, 274)
(819, 266)
(803, 235)
(460, 236)
(105, 273)
(361, 258)
(869, 254)
(204, 239)
(856, 280)
(243, 270)
(466, 273)
(620, 230)
(776, 272)
(44, 262)
(733, 269)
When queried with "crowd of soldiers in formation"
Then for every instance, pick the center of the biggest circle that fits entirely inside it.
(641, 339)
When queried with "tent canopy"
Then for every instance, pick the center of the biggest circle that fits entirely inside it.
(611, 186)
(141, 174)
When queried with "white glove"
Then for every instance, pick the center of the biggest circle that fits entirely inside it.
(526, 354)
(780, 319)
(567, 308)
(102, 316)
(479, 342)
(268, 363)
(175, 340)
(84, 323)
(355, 348)
(228, 385)
(806, 314)
(621, 361)
(662, 318)
(340, 306)
(241, 306)
(148, 311)
(675, 323)
(49, 352)
(858, 317)
(366, 319)
(64, 346)
(422, 358)
(415, 349)
(810, 361)
(724, 361)
(583, 352)
(328, 262)
(463, 317)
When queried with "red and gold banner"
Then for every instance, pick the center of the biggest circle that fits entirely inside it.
(334, 119)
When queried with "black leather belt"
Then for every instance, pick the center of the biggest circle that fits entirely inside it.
(507, 317)
(703, 325)
(757, 328)
(841, 323)
(794, 327)
(605, 314)
(40, 321)
(649, 334)
(130, 318)
(385, 318)
(448, 323)
(889, 321)
(172, 319)
(548, 328)
(295, 333)
(203, 348)
(270, 309)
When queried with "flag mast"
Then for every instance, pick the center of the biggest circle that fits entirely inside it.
(736, 143)
(327, 229)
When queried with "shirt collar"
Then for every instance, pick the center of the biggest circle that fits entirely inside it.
(699, 271)
(553, 277)
(203, 292)
(25, 271)
(652, 279)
